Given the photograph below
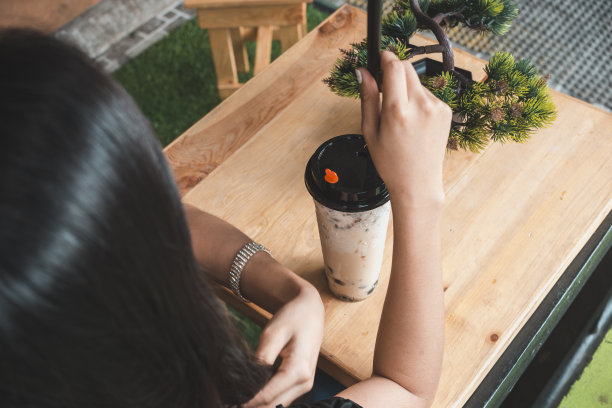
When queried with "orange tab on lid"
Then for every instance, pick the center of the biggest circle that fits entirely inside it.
(331, 176)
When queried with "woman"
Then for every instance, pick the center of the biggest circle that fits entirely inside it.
(104, 300)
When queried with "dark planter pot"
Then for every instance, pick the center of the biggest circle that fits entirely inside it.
(429, 67)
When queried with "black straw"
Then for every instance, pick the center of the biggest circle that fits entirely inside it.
(374, 19)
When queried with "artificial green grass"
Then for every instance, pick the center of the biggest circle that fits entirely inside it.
(173, 81)
(249, 330)
(594, 387)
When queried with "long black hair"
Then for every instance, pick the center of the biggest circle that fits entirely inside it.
(101, 301)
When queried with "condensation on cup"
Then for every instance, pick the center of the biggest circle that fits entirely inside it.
(352, 209)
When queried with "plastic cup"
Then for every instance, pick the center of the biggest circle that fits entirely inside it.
(352, 208)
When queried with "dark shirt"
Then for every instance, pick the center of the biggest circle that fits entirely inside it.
(335, 402)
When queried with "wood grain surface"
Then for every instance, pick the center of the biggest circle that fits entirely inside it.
(515, 215)
(238, 3)
(251, 16)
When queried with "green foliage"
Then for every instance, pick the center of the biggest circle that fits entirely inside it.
(500, 63)
(509, 105)
(444, 87)
(399, 48)
(399, 26)
(342, 80)
(493, 16)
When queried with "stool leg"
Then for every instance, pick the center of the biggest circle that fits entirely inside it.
(303, 30)
(223, 58)
(263, 48)
(289, 35)
(304, 25)
(240, 52)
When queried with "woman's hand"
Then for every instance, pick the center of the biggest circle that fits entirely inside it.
(407, 138)
(294, 334)
(295, 331)
(407, 141)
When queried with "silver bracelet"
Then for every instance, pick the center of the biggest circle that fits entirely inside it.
(240, 261)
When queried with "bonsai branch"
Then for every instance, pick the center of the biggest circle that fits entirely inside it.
(464, 81)
(477, 27)
(427, 49)
(435, 27)
(443, 16)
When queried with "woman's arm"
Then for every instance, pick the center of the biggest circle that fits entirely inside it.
(295, 331)
(264, 281)
(407, 140)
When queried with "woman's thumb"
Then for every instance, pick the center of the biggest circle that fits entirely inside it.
(370, 103)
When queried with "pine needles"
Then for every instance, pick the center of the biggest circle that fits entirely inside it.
(509, 105)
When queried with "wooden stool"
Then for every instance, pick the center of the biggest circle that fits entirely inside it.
(232, 22)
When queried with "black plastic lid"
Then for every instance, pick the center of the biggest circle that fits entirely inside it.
(358, 188)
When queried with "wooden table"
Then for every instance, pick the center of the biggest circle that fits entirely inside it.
(516, 217)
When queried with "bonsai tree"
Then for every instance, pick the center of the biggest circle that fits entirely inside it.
(508, 105)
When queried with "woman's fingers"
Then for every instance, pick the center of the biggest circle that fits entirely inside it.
(400, 84)
(294, 334)
(271, 343)
(290, 381)
(412, 128)
(393, 82)
(413, 83)
(370, 104)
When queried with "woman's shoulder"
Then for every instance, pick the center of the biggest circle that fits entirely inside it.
(335, 402)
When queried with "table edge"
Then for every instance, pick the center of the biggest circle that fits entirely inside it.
(504, 374)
